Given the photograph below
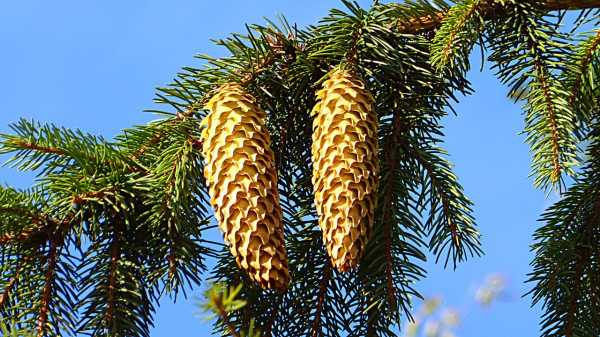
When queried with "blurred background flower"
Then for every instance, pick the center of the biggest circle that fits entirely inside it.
(434, 318)
(492, 290)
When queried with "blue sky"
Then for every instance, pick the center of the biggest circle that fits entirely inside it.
(94, 65)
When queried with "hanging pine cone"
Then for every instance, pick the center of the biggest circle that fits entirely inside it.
(242, 181)
(345, 166)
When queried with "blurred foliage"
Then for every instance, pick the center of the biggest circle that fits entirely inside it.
(220, 301)
(8, 329)
(434, 319)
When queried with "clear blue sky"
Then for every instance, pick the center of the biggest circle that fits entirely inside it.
(94, 65)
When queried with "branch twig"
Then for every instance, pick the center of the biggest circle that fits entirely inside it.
(48, 289)
(321, 298)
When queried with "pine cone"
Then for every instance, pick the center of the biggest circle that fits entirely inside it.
(345, 166)
(242, 180)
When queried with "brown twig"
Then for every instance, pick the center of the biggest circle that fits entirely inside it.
(268, 329)
(112, 277)
(35, 147)
(556, 150)
(321, 298)
(11, 284)
(6, 293)
(22, 236)
(46, 226)
(46, 295)
(276, 48)
(80, 199)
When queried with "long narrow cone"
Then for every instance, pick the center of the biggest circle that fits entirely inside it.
(345, 166)
(242, 180)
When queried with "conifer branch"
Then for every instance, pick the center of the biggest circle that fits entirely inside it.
(542, 77)
(454, 220)
(17, 143)
(581, 78)
(263, 64)
(392, 160)
(490, 9)
(584, 253)
(24, 212)
(527, 49)
(565, 267)
(248, 74)
(457, 34)
(172, 260)
(391, 290)
(11, 284)
(20, 237)
(159, 133)
(80, 199)
(36, 219)
(323, 285)
(9, 287)
(112, 279)
(225, 318)
(56, 148)
(47, 227)
(459, 26)
(46, 295)
(437, 189)
(590, 48)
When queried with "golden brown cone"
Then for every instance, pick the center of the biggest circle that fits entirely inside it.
(242, 179)
(345, 166)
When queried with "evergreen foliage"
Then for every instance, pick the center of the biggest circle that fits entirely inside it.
(221, 301)
(110, 227)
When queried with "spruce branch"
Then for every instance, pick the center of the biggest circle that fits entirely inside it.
(581, 78)
(115, 297)
(112, 279)
(46, 295)
(9, 288)
(529, 52)
(54, 148)
(21, 236)
(20, 144)
(394, 158)
(551, 107)
(565, 268)
(423, 23)
(45, 228)
(585, 56)
(450, 221)
(582, 261)
(459, 30)
(573, 312)
(177, 205)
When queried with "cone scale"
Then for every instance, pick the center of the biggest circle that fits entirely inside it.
(345, 166)
(242, 180)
